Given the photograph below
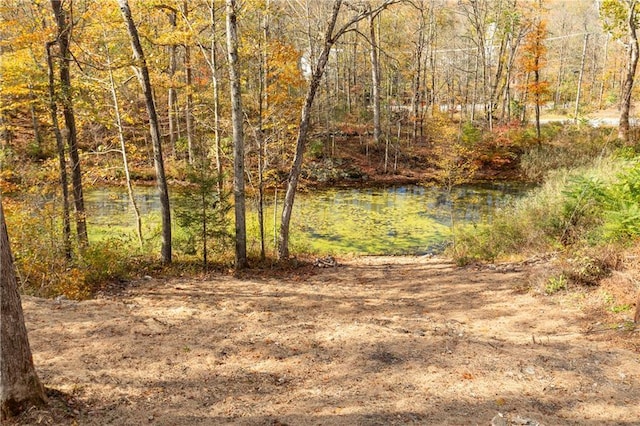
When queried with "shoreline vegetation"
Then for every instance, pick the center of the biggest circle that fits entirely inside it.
(566, 147)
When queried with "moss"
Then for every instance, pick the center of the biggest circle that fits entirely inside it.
(402, 220)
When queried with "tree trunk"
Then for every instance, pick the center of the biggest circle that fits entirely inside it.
(604, 71)
(632, 64)
(37, 136)
(303, 129)
(474, 97)
(580, 76)
(559, 81)
(513, 45)
(64, 30)
(62, 161)
(216, 98)
(540, 33)
(494, 95)
(477, 17)
(20, 386)
(173, 94)
(536, 78)
(432, 61)
(263, 105)
(188, 107)
(212, 62)
(123, 149)
(161, 180)
(188, 71)
(237, 118)
(417, 79)
(375, 80)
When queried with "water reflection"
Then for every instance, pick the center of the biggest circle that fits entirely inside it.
(401, 220)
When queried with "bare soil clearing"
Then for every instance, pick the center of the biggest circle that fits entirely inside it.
(376, 341)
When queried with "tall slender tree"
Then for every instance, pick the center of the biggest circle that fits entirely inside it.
(172, 94)
(188, 74)
(534, 60)
(123, 145)
(211, 58)
(142, 73)
(583, 59)
(213, 63)
(65, 26)
(62, 158)
(237, 117)
(620, 19)
(375, 79)
(263, 105)
(419, 51)
(331, 34)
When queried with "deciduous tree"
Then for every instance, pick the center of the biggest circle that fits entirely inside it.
(620, 19)
(332, 33)
(65, 26)
(237, 118)
(62, 159)
(161, 181)
(632, 65)
(534, 60)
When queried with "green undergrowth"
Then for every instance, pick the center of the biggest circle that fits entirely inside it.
(589, 215)
(113, 255)
(577, 211)
(42, 264)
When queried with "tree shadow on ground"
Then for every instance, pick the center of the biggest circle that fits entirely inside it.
(360, 344)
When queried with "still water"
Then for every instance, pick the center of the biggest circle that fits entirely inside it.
(400, 220)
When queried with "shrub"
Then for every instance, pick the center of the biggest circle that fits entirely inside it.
(105, 261)
(470, 135)
(569, 147)
(41, 263)
(555, 284)
(37, 248)
(316, 149)
(591, 206)
(589, 265)
(73, 285)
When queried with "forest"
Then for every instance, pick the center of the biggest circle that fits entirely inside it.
(237, 165)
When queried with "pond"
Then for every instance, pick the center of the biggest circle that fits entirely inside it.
(399, 220)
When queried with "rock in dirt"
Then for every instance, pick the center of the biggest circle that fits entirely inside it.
(517, 420)
(499, 420)
(325, 262)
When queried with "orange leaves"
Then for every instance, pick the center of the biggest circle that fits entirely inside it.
(283, 64)
(534, 56)
(538, 88)
(284, 85)
(8, 182)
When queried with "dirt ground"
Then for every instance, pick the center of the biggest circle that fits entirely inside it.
(374, 341)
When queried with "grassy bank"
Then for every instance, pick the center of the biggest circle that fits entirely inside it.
(590, 215)
(565, 213)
